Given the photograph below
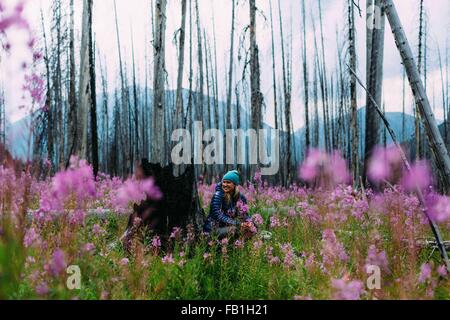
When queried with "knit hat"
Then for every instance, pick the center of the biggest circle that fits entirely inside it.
(232, 176)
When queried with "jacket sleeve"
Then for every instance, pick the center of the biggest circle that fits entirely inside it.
(216, 208)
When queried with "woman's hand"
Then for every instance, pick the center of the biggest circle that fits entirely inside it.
(248, 229)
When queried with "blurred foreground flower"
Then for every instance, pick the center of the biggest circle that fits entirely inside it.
(327, 169)
(134, 191)
(383, 164)
(347, 290)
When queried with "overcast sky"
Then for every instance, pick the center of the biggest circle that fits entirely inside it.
(134, 18)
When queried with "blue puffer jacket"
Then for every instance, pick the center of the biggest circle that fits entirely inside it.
(221, 213)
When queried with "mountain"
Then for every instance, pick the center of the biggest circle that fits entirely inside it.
(395, 120)
(18, 137)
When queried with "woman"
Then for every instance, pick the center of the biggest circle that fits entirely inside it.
(226, 214)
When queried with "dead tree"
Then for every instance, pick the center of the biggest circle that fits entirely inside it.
(179, 99)
(72, 116)
(180, 205)
(323, 85)
(287, 98)
(93, 109)
(419, 67)
(125, 133)
(255, 86)
(305, 78)
(85, 97)
(441, 156)
(375, 35)
(230, 67)
(353, 93)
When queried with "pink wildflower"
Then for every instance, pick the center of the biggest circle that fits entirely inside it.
(347, 290)
(30, 237)
(168, 259)
(418, 177)
(425, 273)
(382, 163)
(257, 219)
(42, 289)
(58, 262)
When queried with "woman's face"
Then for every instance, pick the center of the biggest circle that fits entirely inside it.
(228, 186)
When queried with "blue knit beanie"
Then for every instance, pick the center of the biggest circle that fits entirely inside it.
(232, 176)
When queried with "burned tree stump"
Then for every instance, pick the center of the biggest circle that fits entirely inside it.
(179, 207)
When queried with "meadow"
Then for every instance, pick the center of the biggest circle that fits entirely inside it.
(318, 242)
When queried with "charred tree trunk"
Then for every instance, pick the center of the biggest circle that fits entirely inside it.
(93, 109)
(256, 96)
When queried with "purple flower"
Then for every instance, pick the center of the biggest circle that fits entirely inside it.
(156, 242)
(418, 177)
(30, 237)
(257, 219)
(134, 191)
(238, 244)
(168, 259)
(442, 271)
(274, 222)
(88, 247)
(58, 262)
(124, 262)
(331, 168)
(257, 244)
(176, 232)
(425, 273)
(42, 289)
(376, 258)
(97, 230)
(345, 290)
(382, 163)
(332, 249)
(242, 207)
(438, 207)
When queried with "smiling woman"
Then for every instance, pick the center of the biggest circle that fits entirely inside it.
(228, 210)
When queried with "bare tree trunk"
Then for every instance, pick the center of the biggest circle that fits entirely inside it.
(419, 67)
(159, 152)
(231, 65)
(85, 95)
(136, 143)
(189, 110)
(48, 101)
(287, 99)
(124, 100)
(443, 97)
(324, 86)
(316, 135)
(105, 116)
(179, 100)
(403, 103)
(374, 80)
(353, 97)
(72, 93)
(305, 78)
(93, 111)
(435, 139)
